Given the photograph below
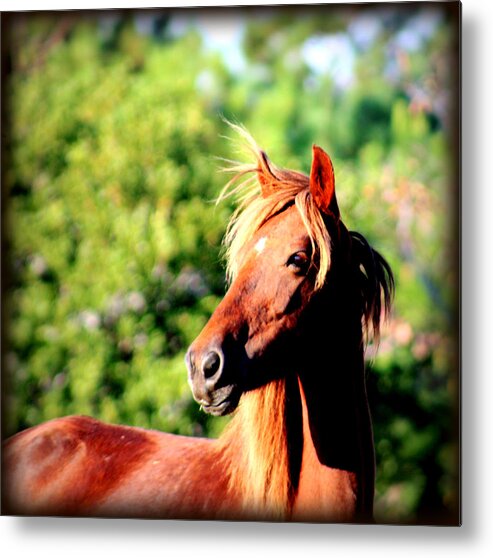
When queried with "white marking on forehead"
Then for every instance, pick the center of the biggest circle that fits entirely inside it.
(260, 245)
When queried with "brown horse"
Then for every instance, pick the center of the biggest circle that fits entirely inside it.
(284, 348)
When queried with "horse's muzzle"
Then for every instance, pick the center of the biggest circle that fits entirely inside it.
(207, 381)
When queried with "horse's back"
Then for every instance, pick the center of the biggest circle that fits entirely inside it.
(81, 466)
(68, 464)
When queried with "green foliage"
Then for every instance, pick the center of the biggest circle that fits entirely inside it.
(113, 241)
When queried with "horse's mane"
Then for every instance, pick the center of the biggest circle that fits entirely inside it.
(258, 432)
(254, 209)
(257, 441)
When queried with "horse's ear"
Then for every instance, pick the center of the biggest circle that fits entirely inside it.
(266, 178)
(322, 183)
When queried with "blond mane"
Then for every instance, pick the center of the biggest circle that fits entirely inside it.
(255, 207)
(254, 448)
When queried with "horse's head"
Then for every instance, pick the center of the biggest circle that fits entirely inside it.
(279, 256)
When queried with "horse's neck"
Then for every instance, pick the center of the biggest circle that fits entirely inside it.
(336, 474)
(337, 470)
(302, 447)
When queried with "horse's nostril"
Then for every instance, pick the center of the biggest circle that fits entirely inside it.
(211, 364)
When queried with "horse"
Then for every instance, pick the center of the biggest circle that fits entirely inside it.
(283, 352)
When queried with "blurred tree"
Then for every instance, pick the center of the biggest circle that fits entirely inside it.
(112, 237)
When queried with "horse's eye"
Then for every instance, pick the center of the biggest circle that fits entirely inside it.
(299, 262)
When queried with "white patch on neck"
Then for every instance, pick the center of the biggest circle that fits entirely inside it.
(259, 247)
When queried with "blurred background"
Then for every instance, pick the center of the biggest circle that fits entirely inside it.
(112, 243)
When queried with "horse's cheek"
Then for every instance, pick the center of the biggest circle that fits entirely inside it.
(288, 297)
